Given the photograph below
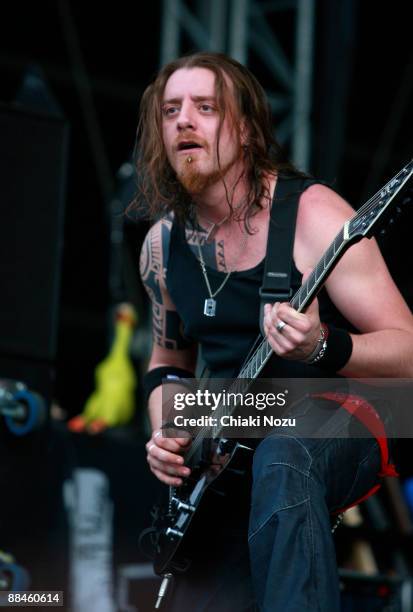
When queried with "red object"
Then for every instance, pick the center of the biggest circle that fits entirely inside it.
(383, 591)
(77, 424)
(368, 416)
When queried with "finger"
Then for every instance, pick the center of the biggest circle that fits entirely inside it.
(294, 319)
(270, 315)
(178, 442)
(169, 480)
(171, 470)
(281, 345)
(267, 309)
(170, 444)
(290, 329)
(184, 442)
(163, 455)
(289, 336)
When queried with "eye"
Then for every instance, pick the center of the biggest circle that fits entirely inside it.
(168, 111)
(207, 108)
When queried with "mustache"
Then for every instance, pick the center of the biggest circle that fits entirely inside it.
(190, 138)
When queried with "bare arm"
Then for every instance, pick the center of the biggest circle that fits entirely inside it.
(360, 287)
(170, 348)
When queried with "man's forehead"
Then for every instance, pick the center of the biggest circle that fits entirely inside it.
(196, 82)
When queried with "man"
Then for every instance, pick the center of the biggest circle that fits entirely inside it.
(210, 172)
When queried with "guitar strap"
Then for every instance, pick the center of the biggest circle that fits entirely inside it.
(276, 282)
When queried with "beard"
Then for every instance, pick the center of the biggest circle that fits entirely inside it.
(194, 181)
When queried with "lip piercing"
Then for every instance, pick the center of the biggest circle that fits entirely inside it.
(188, 159)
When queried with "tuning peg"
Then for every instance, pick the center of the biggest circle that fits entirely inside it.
(406, 200)
(391, 221)
(398, 210)
(383, 232)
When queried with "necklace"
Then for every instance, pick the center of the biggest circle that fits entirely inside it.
(214, 226)
(210, 303)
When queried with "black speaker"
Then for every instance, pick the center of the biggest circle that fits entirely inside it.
(33, 159)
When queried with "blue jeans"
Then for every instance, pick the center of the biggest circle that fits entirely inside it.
(282, 559)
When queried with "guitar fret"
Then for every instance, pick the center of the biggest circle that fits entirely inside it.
(261, 354)
(254, 369)
(319, 269)
(338, 241)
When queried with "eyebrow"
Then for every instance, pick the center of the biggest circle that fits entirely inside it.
(194, 98)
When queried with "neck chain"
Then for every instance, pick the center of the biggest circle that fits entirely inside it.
(214, 226)
(210, 303)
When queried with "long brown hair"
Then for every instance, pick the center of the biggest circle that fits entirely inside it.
(157, 182)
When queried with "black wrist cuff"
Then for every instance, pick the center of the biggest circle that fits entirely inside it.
(156, 376)
(339, 349)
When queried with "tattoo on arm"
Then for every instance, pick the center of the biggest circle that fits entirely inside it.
(166, 325)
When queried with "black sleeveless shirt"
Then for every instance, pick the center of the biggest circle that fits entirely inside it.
(226, 338)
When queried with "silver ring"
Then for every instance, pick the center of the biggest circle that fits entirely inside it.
(280, 326)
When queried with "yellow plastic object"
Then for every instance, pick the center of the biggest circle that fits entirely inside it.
(6, 557)
(113, 401)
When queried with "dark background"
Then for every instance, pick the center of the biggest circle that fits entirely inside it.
(361, 129)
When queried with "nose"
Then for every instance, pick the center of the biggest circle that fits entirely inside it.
(186, 119)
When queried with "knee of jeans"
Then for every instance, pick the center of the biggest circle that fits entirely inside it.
(283, 450)
(281, 467)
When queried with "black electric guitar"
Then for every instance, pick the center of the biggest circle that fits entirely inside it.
(216, 474)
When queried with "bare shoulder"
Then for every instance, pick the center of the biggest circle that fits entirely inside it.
(320, 198)
(321, 214)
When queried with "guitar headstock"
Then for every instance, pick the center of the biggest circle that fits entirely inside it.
(364, 222)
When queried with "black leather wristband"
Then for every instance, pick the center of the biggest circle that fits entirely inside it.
(339, 349)
(156, 376)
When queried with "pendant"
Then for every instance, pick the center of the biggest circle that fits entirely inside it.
(210, 307)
